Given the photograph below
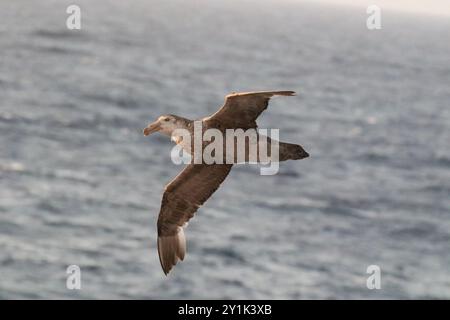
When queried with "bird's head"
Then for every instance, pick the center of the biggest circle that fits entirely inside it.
(165, 125)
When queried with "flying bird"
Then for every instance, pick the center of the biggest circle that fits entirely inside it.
(197, 182)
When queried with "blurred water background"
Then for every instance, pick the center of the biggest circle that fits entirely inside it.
(80, 184)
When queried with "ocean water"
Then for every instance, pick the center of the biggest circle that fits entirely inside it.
(80, 184)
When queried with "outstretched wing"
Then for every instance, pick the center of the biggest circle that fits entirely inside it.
(181, 199)
(241, 109)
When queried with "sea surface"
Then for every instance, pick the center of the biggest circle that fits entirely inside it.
(80, 184)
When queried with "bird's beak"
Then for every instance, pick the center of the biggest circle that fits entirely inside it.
(152, 127)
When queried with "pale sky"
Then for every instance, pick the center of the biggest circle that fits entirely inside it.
(441, 7)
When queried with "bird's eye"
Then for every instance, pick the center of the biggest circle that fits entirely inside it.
(166, 119)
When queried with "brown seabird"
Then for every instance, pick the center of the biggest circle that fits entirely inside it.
(197, 182)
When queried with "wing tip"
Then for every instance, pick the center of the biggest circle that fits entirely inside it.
(271, 93)
(171, 249)
(284, 93)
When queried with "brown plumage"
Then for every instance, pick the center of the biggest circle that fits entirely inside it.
(242, 109)
(197, 182)
(181, 199)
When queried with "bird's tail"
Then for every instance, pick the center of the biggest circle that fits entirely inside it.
(290, 151)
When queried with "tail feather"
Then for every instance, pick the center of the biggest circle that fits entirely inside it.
(290, 151)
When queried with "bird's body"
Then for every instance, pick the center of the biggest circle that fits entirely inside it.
(198, 181)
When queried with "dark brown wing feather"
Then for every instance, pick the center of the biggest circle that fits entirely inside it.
(181, 199)
(241, 109)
